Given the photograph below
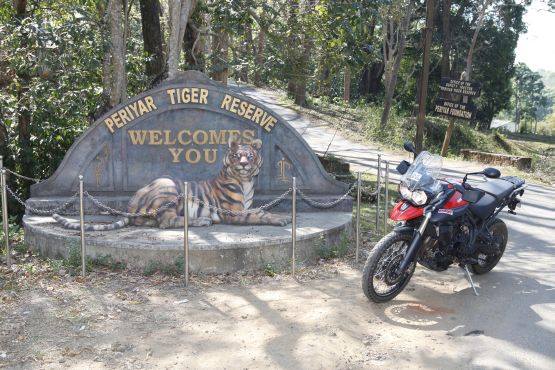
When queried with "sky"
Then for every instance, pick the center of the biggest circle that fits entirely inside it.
(536, 48)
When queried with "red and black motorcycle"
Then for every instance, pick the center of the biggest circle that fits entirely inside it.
(439, 223)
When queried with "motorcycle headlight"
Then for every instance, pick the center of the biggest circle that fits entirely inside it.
(405, 192)
(419, 197)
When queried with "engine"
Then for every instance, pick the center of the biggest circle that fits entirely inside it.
(445, 242)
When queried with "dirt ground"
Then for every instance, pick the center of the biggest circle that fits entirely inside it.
(321, 320)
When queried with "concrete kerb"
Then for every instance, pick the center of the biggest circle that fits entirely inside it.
(54, 243)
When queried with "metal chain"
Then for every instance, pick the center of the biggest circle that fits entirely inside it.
(245, 211)
(114, 211)
(46, 212)
(21, 176)
(316, 204)
(153, 213)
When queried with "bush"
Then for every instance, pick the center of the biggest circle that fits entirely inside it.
(73, 260)
(329, 251)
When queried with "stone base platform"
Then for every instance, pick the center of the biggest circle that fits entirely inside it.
(213, 249)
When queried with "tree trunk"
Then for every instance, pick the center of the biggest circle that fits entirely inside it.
(259, 59)
(247, 47)
(370, 79)
(446, 44)
(180, 11)
(292, 58)
(118, 90)
(306, 47)
(479, 24)
(152, 37)
(25, 155)
(220, 49)
(347, 84)
(393, 70)
(424, 78)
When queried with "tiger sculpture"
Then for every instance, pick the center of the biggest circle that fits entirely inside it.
(232, 189)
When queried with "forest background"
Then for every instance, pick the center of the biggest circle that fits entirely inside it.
(63, 63)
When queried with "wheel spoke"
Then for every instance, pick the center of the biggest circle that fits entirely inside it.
(389, 260)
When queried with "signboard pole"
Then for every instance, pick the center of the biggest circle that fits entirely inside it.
(447, 138)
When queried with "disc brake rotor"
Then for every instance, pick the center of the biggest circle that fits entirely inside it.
(391, 276)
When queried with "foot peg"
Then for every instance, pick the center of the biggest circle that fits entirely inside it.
(469, 278)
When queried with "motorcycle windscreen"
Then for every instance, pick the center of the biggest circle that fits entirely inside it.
(423, 173)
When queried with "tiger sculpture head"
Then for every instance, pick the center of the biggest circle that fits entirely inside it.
(243, 161)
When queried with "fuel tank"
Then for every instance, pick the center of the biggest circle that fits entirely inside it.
(454, 208)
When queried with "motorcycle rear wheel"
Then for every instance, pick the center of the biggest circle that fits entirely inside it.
(381, 264)
(498, 229)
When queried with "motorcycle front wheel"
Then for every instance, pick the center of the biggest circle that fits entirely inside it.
(380, 282)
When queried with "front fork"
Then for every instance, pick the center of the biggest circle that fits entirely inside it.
(415, 244)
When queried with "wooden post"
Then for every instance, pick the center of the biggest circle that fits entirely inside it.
(358, 218)
(186, 232)
(5, 220)
(82, 224)
(293, 226)
(447, 138)
(347, 84)
(378, 189)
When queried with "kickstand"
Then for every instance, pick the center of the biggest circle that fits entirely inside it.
(469, 278)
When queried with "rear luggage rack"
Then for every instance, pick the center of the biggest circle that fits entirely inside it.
(516, 181)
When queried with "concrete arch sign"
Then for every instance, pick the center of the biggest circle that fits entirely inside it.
(181, 129)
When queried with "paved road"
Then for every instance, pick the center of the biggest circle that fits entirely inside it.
(516, 307)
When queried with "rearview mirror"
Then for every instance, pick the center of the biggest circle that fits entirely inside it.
(409, 147)
(403, 167)
(491, 173)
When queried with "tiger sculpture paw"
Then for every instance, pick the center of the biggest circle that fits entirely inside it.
(280, 220)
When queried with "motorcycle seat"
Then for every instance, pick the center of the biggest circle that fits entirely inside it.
(486, 205)
(498, 187)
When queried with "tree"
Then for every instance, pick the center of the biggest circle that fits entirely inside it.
(179, 13)
(423, 90)
(152, 37)
(118, 79)
(530, 100)
(396, 21)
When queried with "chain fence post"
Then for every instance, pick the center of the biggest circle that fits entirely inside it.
(386, 200)
(5, 220)
(378, 188)
(186, 232)
(358, 218)
(293, 226)
(82, 224)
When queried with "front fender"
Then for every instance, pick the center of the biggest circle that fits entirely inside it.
(403, 229)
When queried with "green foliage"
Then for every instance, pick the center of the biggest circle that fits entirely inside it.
(15, 237)
(51, 64)
(531, 103)
(327, 251)
(175, 269)
(270, 270)
(73, 260)
(109, 262)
